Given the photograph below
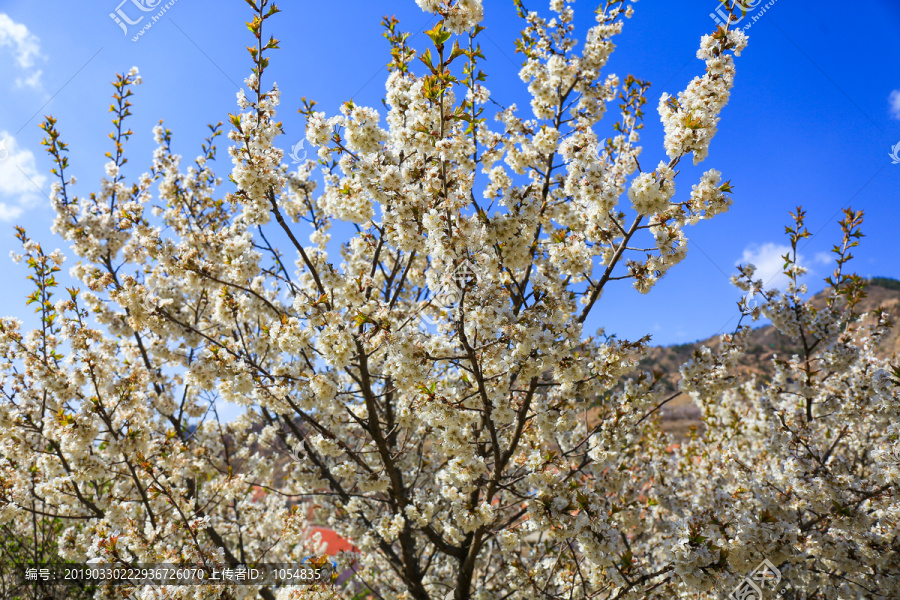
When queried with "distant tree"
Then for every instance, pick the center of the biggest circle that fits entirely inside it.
(885, 282)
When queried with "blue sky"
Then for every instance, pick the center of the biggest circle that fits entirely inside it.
(812, 119)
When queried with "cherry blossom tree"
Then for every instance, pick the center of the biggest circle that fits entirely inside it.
(440, 402)
(801, 469)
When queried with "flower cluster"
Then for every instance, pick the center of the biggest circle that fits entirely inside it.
(691, 118)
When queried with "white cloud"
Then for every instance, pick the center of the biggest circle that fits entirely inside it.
(767, 258)
(8, 213)
(21, 183)
(824, 258)
(26, 47)
(32, 81)
(894, 102)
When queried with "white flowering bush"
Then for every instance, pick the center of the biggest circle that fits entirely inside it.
(801, 469)
(446, 436)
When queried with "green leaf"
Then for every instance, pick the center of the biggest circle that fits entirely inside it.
(438, 35)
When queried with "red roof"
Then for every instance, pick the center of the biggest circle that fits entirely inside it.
(335, 542)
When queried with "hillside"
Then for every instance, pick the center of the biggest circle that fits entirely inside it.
(765, 342)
